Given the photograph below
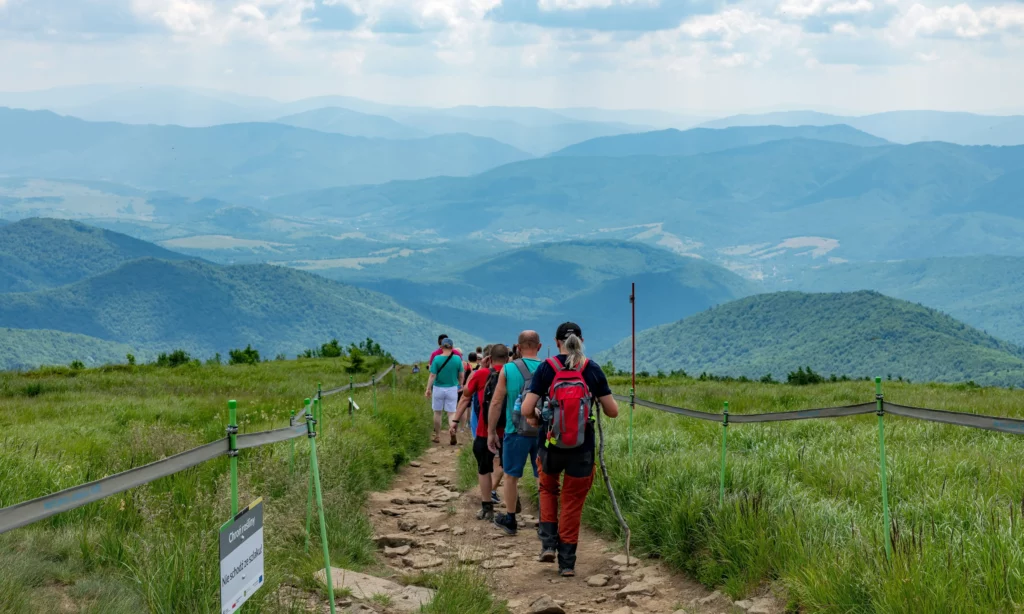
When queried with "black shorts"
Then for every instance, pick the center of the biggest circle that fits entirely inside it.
(575, 463)
(484, 457)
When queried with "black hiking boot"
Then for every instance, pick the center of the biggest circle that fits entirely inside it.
(567, 560)
(506, 523)
(548, 533)
(486, 512)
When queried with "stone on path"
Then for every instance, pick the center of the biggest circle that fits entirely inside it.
(407, 525)
(622, 560)
(713, 597)
(418, 500)
(623, 610)
(390, 511)
(422, 561)
(362, 586)
(636, 589)
(597, 581)
(761, 606)
(415, 464)
(399, 501)
(430, 474)
(498, 564)
(396, 540)
(442, 529)
(399, 551)
(458, 531)
(545, 605)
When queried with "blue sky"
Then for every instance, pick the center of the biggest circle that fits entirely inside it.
(706, 56)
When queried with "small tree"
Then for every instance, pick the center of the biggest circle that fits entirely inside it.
(176, 358)
(131, 359)
(355, 360)
(216, 360)
(248, 356)
(77, 365)
(331, 349)
(609, 369)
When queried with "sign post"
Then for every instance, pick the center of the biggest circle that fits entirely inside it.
(241, 557)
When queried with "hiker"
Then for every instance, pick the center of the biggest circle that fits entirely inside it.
(518, 441)
(569, 385)
(443, 385)
(488, 470)
(437, 352)
(473, 364)
(416, 368)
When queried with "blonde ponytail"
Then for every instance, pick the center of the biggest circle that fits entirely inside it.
(573, 347)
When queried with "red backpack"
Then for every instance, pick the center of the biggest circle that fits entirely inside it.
(569, 400)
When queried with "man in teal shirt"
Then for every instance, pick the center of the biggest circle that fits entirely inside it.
(515, 448)
(446, 373)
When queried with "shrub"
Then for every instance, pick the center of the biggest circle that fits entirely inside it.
(131, 359)
(804, 378)
(248, 356)
(77, 365)
(176, 358)
(356, 362)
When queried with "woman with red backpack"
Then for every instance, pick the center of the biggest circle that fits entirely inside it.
(564, 390)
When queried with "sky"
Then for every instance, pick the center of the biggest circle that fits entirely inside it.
(689, 56)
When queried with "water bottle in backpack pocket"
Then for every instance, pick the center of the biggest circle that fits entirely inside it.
(569, 401)
(523, 427)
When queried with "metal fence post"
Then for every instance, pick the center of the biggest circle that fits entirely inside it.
(315, 477)
(233, 453)
(879, 398)
(291, 462)
(725, 435)
(309, 497)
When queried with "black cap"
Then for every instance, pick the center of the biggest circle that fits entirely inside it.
(566, 329)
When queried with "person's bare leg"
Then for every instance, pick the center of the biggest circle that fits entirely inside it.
(485, 487)
(437, 425)
(511, 493)
(498, 474)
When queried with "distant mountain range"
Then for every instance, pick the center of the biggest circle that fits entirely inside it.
(588, 282)
(900, 126)
(155, 305)
(27, 349)
(856, 334)
(703, 140)
(240, 162)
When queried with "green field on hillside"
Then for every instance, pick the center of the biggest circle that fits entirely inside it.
(803, 505)
(154, 548)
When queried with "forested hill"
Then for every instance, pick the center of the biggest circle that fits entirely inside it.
(157, 305)
(38, 253)
(857, 334)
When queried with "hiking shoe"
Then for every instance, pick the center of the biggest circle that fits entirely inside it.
(437, 439)
(567, 572)
(485, 514)
(454, 440)
(547, 555)
(494, 497)
(506, 524)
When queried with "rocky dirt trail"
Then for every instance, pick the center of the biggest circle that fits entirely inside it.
(423, 524)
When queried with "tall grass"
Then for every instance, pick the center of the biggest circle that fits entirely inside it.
(154, 548)
(803, 502)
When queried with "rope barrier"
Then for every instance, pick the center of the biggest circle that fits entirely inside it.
(34, 510)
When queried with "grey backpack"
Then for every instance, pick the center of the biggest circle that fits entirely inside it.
(523, 427)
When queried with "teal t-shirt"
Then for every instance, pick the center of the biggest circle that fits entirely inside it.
(450, 375)
(514, 381)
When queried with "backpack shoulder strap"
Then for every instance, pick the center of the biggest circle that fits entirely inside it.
(523, 369)
(583, 365)
(557, 366)
(445, 363)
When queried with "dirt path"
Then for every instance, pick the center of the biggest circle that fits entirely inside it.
(422, 508)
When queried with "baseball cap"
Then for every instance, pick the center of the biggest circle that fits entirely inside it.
(447, 343)
(568, 328)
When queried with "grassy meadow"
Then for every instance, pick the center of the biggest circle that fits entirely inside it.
(154, 548)
(803, 504)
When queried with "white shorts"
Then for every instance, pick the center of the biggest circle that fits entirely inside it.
(445, 398)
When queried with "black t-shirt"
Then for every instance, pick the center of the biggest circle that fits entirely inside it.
(596, 382)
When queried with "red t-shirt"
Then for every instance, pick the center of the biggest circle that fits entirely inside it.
(437, 353)
(477, 383)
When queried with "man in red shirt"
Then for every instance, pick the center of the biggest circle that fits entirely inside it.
(486, 461)
(438, 351)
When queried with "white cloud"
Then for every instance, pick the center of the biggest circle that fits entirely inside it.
(960, 21)
(802, 9)
(576, 5)
(178, 16)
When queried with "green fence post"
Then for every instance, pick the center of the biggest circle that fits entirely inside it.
(350, 385)
(632, 404)
(309, 496)
(725, 434)
(319, 413)
(879, 398)
(394, 377)
(315, 477)
(373, 383)
(233, 453)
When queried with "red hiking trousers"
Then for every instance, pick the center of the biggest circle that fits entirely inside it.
(563, 503)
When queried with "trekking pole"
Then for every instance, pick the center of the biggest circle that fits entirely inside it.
(608, 485)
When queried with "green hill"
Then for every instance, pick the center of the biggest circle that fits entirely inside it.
(158, 305)
(588, 282)
(26, 349)
(857, 334)
(986, 292)
(40, 253)
(239, 162)
(705, 140)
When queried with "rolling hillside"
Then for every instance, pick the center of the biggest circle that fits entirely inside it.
(204, 308)
(27, 349)
(235, 162)
(857, 334)
(352, 123)
(986, 292)
(543, 285)
(42, 253)
(704, 140)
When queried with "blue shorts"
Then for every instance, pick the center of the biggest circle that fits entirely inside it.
(515, 451)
